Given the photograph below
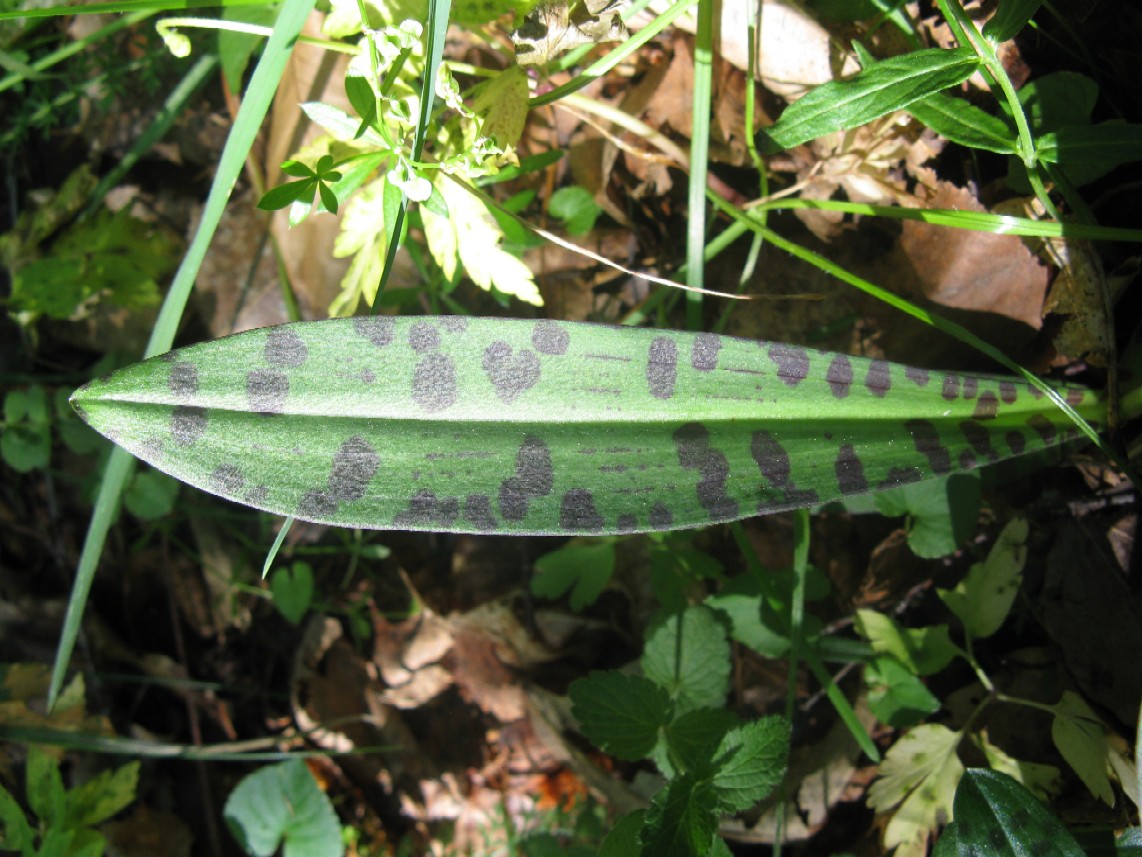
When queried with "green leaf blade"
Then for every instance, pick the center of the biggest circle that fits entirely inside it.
(891, 84)
(521, 427)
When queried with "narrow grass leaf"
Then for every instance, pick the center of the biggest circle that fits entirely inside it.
(891, 84)
(260, 93)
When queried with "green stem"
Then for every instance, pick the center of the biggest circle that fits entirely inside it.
(699, 161)
(169, 26)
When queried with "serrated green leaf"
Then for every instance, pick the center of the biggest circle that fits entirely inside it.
(919, 775)
(471, 236)
(623, 839)
(995, 815)
(502, 103)
(895, 695)
(18, 834)
(688, 654)
(984, 597)
(1010, 17)
(1043, 781)
(690, 741)
(682, 819)
(102, 796)
(584, 569)
(923, 650)
(512, 426)
(44, 788)
(620, 713)
(891, 84)
(1080, 737)
(282, 805)
(751, 761)
(292, 590)
(963, 123)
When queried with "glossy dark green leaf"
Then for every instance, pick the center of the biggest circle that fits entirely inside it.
(998, 817)
(1110, 143)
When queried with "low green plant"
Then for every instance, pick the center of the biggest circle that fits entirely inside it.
(64, 822)
(674, 713)
(281, 806)
(920, 772)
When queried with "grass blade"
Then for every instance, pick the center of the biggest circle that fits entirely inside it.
(263, 84)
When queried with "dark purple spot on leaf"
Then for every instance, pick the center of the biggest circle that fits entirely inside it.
(426, 510)
(661, 518)
(971, 387)
(285, 348)
(257, 495)
(878, 381)
(512, 374)
(478, 510)
(378, 329)
(986, 407)
(980, 439)
(1016, 442)
(550, 338)
(662, 367)
(534, 477)
(188, 424)
(454, 323)
(840, 376)
(900, 476)
(266, 390)
(771, 457)
(968, 461)
(626, 523)
(917, 376)
(316, 506)
(1075, 396)
(354, 465)
(1007, 392)
(792, 363)
(423, 336)
(577, 511)
(692, 442)
(951, 387)
(183, 380)
(434, 382)
(1035, 392)
(227, 479)
(927, 441)
(704, 352)
(1043, 427)
(850, 471)
(367, 376)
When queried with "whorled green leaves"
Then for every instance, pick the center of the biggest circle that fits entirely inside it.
(528, 427)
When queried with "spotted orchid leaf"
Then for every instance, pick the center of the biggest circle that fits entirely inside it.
(530, 427)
